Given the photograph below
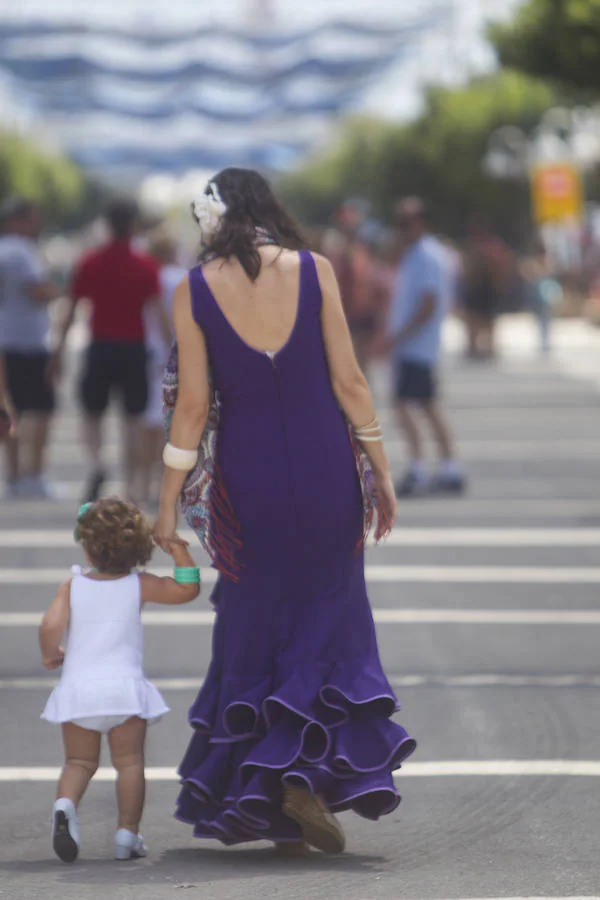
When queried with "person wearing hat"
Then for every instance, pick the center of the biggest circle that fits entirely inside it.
(25, 292)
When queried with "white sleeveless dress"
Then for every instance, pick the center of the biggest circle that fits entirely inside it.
(102, 683)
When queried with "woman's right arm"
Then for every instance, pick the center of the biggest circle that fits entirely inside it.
(348, 382)
(191, 409)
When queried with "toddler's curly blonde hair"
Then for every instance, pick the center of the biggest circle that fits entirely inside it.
(115, 535)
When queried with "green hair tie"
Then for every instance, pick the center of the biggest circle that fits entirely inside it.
(81, 512)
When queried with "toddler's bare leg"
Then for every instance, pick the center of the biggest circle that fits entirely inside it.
(82, 755)
(126, 744)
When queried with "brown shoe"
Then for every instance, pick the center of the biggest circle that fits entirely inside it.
(320, 827)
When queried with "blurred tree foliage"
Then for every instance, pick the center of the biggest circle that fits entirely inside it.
(557, 40)
(439, 156)
(67, 197)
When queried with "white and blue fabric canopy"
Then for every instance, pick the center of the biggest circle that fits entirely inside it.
(202, 98)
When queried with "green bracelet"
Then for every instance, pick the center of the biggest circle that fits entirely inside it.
(186, 574)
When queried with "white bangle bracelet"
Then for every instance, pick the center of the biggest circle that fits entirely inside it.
(176, 458)
(363, 437)
(367, 430)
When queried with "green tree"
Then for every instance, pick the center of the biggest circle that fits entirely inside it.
(53, 181)
(438, 156)
(554, 39)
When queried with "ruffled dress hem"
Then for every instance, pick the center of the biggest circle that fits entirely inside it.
(327, 728)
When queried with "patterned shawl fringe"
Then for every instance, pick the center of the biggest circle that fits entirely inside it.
(376, 519)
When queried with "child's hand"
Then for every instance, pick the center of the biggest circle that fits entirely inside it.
(177, 542)
(56, 661)
(181, 555)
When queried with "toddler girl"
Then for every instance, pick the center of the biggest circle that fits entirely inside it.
(102, 689)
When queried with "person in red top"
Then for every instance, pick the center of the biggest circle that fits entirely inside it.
(119, 284)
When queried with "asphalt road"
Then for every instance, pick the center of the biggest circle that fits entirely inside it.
(502, 798)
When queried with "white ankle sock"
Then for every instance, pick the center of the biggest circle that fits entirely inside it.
(63, 804)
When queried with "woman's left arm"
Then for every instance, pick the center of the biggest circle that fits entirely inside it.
(191, 409)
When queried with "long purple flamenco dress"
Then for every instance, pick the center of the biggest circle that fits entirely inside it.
(295, 693)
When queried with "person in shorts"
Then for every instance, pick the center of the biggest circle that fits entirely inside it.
(420, 303)
(120, 285)
(163, 249)
(25, 293)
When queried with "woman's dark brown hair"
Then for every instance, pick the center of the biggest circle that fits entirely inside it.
(251, 204)
(115, 535)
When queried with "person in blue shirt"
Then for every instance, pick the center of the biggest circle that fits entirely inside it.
(26, 292)
(421, 301)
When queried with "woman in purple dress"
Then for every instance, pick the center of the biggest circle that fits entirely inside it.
(293, 722)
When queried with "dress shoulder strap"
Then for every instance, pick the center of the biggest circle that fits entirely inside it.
(309, 278)
(202, 300)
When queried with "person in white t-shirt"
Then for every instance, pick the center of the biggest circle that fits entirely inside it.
(25, 292)
(164, 250)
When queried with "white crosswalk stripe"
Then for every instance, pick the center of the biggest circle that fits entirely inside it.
(186, 618)
(562, 768)
(18, 538)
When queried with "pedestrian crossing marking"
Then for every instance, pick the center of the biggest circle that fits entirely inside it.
(375, 574)
(18, 538)
(501, 768)
(473, 680)
(407, 616)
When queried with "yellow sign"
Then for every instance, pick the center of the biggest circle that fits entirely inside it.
(557, 192)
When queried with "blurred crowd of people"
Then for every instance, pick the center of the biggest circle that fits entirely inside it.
(398, 285)
(128, 292)
(486, 279)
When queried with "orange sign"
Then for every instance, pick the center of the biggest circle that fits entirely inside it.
(557, 192)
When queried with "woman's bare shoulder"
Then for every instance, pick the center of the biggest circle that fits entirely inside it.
(324, 268)
(182, 291)
(182, 300)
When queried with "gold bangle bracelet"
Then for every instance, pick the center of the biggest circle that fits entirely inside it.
(373, 423)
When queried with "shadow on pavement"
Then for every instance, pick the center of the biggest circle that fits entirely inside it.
(192, 867)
